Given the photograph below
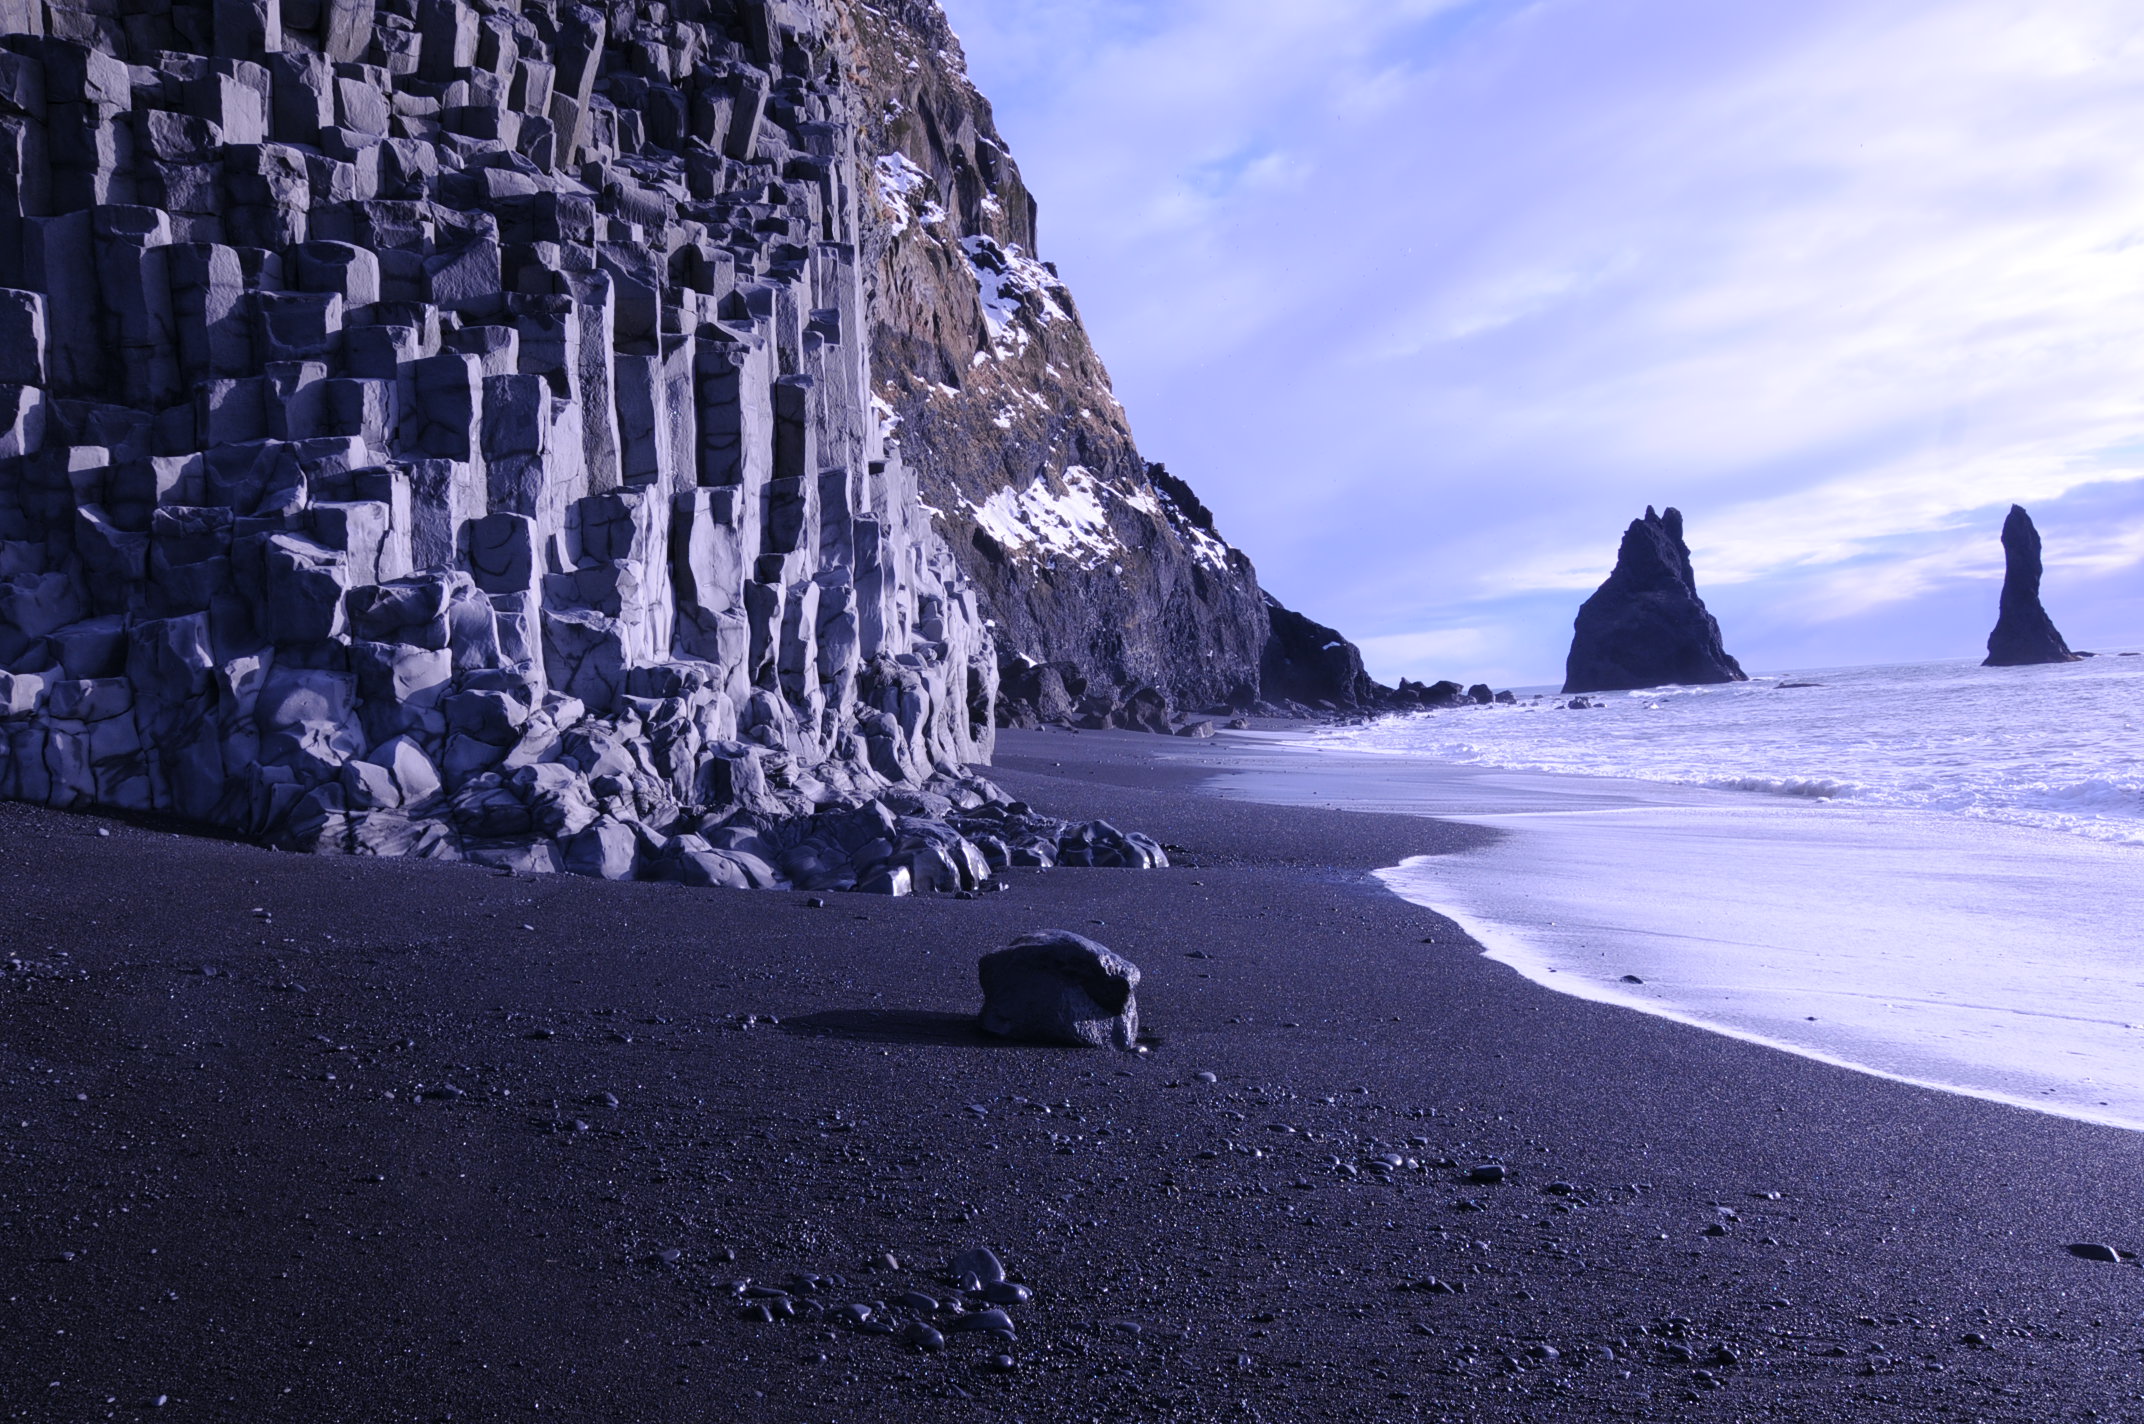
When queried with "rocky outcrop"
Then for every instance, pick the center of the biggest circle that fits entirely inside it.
(1103, 575)
(561, 437)
(448, 430)
(1309, 663)
(1646, 626)
(2024, 634)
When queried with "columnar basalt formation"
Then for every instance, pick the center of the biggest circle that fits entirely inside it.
(1646, 626)
(445, 429)
(2024, 634)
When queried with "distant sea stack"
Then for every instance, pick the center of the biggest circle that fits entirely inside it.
(1646, 626)
(2024, 634)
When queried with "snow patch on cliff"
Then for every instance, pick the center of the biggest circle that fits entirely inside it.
(1009, 282)
(1065, 520)
(1205, 546)
(898, 180)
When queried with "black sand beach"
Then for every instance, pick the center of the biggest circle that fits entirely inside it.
(322, 1139)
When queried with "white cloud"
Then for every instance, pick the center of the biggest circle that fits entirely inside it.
(1429, 300)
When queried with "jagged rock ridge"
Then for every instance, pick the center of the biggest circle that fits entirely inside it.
(448, 430)
(2023, 633)
(1108, 585)
(1645, 626)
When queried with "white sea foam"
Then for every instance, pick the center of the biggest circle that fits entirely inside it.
(1929, 873)
(2059, 747)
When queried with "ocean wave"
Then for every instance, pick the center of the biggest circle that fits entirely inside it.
(1813, 788)
(2054, 747)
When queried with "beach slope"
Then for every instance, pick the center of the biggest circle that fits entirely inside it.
(335, 1139)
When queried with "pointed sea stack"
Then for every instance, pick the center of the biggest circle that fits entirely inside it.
(2024, 634)
(1646, 626)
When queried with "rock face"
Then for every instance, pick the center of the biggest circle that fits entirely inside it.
(469, 431)
(2024, 634)
(1310, 663)
(1646, 626)
(448, 430)
(1103, 574)
(1054, 986)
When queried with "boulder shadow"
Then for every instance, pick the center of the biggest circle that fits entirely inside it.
(913, 1026)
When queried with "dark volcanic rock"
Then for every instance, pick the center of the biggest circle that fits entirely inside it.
(1054, 986)
(1646, 626)
(455, 439)
(535, 439)
(1091, 560)
(1305, 661)
(2024, 634)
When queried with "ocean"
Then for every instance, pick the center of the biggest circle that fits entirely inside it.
(1934, 872)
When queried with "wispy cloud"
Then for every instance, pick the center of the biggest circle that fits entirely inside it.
(1430, 298)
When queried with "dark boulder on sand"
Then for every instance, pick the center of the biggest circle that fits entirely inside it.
(2024, 634)
(1646, 626)
(1054, 986)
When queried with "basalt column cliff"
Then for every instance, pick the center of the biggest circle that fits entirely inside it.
(446, 429)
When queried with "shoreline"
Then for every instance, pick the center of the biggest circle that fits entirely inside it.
(1948, 952)
(399, 1257)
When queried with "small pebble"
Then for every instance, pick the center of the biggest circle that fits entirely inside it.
(2094, 1251)
(981, 1263)
(991, 1322)
(1487, 1174)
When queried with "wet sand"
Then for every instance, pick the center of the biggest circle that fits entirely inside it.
(234, 1177)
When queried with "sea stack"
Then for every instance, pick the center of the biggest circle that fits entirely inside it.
(2024, 634)
(1646, 626)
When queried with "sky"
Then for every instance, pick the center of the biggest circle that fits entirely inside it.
(1429, 298)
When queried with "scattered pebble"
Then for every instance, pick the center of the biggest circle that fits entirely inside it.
(986, 1322)
(981, 1263)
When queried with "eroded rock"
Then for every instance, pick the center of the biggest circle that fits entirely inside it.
(2023, 633)
(1646, 626)
(1054, 986)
